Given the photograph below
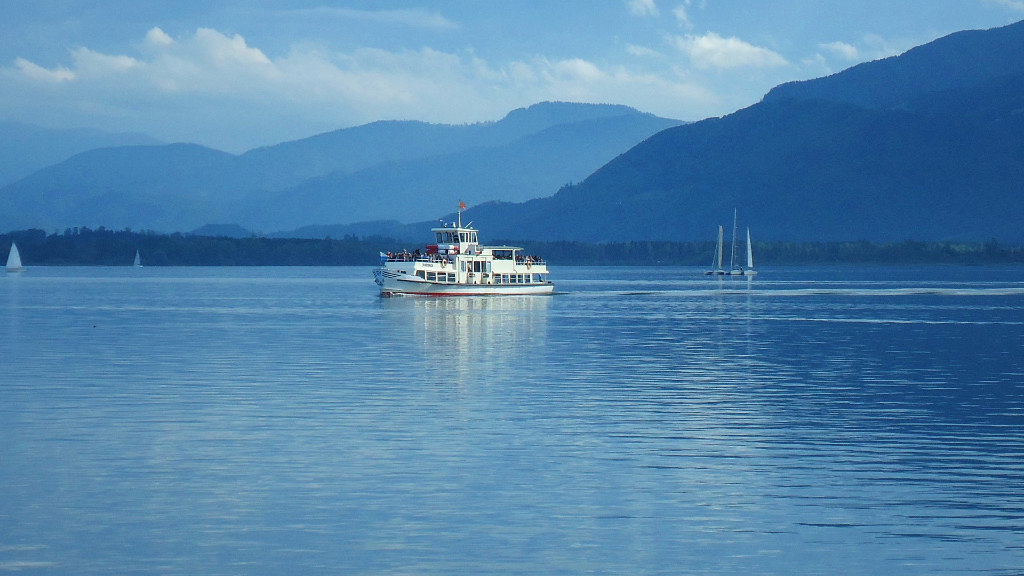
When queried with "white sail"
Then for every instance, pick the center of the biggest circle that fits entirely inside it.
(716, 262)
(750, 257)
(750, 251)
(138, 262)
(720, 247)
(14, 260)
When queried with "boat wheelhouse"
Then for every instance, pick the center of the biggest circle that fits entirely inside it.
(458, 265)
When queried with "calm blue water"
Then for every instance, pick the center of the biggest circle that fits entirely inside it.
(642, 421)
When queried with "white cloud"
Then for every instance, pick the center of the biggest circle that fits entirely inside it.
(714, 51)
(642, 51)
(224, 51)
(842, 49)
(876, 47)
(157, 37)
(36, 72)
(682, 16)
(1015, 5)
(217, 89)
(643, 8)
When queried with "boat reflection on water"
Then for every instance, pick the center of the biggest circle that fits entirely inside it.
(474, 335)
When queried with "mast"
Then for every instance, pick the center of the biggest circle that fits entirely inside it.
(732, 257)
(718, 249)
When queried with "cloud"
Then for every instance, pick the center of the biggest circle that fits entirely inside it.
(410, 18)
(218, 89)
(682, 16)
(714, 51)
(642, 51)
(643, 8)
(842, 49)
(34, 71)
(157, 37)
(1015, 5)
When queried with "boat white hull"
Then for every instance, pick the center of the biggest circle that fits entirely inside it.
(394, 284)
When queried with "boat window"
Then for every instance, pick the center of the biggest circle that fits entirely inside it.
(440, 237)
(463, 265)
(472, 237)
(451, 276)
(431, 276)
(421, 273)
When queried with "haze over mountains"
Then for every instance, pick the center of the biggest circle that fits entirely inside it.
(397, 170)
(25, 149)
(928, 145)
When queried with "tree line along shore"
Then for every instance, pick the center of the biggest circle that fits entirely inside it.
(103, 247)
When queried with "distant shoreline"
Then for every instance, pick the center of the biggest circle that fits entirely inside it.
(102, 247)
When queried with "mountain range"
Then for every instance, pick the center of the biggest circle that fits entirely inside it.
(927, 145)
(401, 170)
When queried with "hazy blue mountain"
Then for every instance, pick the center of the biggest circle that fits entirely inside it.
(527, 167)
(25, 148)
(407, 170)
(388, 143)
(142, 187)
(928, 145)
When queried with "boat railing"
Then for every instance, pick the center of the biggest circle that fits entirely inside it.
(531, 260)
(410, 257)
(406, 257)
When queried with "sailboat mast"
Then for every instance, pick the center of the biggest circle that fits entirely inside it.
(718, 249)
(732, 257)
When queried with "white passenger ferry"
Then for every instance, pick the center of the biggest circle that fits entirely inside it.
(457, 265)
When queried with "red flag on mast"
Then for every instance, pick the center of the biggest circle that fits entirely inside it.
(462, 205)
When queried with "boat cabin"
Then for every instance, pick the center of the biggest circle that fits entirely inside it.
(458, 264)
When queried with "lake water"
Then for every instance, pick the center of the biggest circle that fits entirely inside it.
(641, 421)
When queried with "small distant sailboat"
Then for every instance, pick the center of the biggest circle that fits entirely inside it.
(750, 258)
(735, 268)
(716, 263)
(138, 262)
(14, 260)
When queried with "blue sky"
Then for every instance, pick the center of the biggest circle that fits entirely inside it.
(235, 75)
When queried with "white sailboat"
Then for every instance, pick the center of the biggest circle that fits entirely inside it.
(138, 262)
(735, 267)
(717, 261)
(750, 258)
(14, 260)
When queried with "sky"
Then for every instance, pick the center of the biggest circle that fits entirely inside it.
(235, 75)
